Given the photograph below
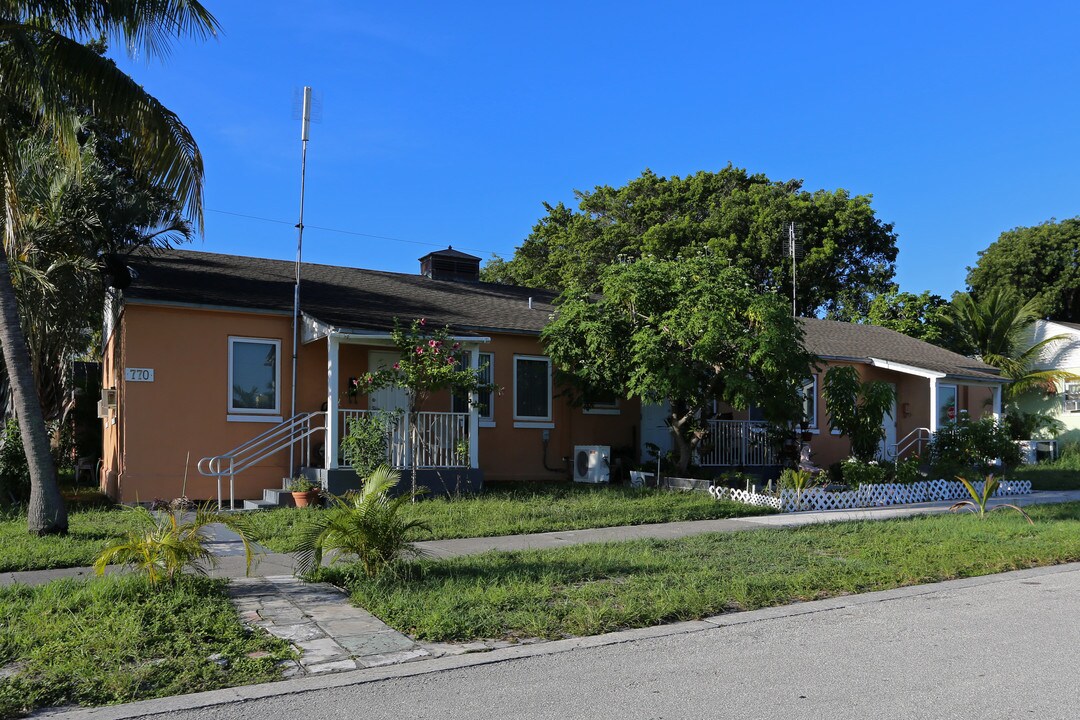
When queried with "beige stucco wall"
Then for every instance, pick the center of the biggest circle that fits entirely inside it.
(185, 409)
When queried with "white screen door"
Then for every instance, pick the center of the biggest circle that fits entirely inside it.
(390, 398)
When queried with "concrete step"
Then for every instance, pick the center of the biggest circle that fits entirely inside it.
(259, 505)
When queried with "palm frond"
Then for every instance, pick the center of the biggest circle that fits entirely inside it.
(365, 525)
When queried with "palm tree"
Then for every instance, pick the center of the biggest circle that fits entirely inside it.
(46, 76)
(997, 327)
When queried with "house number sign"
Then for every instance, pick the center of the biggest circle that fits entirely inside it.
(139, 374)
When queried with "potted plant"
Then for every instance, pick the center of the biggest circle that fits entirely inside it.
(304, 492)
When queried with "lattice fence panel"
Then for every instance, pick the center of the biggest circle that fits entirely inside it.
(876, 495)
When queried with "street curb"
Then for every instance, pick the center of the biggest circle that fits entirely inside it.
(456, 662)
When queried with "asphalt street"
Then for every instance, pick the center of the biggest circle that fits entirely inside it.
(999, 647)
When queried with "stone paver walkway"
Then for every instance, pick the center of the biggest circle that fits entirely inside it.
(332, 634)
(318, 619)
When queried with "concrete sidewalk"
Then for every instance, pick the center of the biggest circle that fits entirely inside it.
(226, 546)
(229, 550)
(563, 538)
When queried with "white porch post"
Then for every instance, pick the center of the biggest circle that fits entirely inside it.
(997, 403)
(332, 385)
(474, 411)
(933, 406)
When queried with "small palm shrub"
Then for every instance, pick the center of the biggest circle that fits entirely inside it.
(978, 502)
(365, 525)
(798, 480)
(166, 544)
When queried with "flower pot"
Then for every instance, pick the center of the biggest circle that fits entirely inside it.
(304, 499)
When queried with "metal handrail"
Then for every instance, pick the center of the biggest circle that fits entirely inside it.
(915, 438)
(298, 428)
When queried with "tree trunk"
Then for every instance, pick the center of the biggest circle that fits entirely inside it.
(47, 515)
(684, 450)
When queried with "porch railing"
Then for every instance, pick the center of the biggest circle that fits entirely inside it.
(743, 443)
(439, 440)
(298, 429)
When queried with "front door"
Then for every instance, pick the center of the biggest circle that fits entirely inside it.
(389, 398)
(888, 424)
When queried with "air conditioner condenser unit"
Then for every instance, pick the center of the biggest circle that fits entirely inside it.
(591, 463)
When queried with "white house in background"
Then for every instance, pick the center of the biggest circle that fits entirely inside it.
(1062, 355)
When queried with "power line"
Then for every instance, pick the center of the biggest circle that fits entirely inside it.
(343, 232)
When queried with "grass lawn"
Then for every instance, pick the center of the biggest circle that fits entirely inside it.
(114, 640)
(522, 508)
(590, 589)
(89, 532)
(1049, 476)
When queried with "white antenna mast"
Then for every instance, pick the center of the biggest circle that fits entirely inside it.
(795, 250)
(305, 124)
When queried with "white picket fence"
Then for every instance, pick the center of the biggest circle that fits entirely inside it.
(875, 495)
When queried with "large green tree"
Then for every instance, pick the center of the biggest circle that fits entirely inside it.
(76, 221)
(1040, 263)
(47, 75)
(923, 316)
(689, 331)
(848, 252)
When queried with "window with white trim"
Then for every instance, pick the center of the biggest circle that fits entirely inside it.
(254, 373)
(602, 404)
(1072, 397)
(532, 387)
(483, 398)
(808, 390)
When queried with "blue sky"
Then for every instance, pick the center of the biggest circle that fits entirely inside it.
(451, 123)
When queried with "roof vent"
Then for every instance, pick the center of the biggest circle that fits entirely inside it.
(450, 264)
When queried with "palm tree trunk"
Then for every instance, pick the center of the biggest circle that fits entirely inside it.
(47, 515)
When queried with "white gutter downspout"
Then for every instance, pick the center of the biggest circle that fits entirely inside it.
(933, 406)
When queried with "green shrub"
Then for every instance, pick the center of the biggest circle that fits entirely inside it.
(855, 472)
(1068, 458)
(14, 475)
(972, 446)
(856, 409)
(907, 471)
(302, 484)
(365, 443)
(732, 478)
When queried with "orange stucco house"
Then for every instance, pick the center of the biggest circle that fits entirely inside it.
(198, 366)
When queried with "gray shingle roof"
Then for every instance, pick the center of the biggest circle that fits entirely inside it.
(347, 298)
(827, 338)
(355, 299)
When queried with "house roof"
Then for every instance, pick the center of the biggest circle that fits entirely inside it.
(365, 300)
(831, 339)
(343, 297)
(1070, 325)
(450, 252)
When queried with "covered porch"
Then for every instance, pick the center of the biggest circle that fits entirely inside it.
(440, 437)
